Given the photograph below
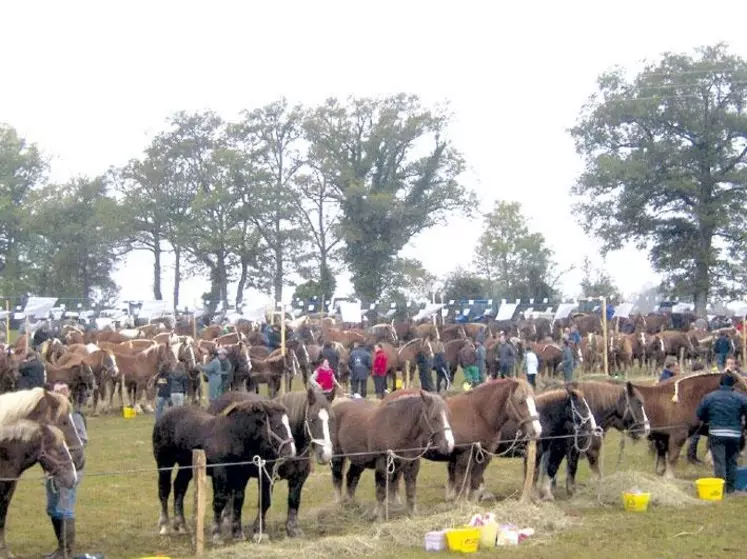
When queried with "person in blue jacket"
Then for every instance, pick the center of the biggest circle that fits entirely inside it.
(724, 410)
(721, 349)
(671, 368)
(215, 372)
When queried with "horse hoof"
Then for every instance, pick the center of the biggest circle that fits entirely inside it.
(547, 497)
(238, 536)
(487, 496)
(6, 554)
(260, 538)
(217, 539)
(164, 530)
(294, 532)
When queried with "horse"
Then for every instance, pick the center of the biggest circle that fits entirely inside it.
(77, 375)
(140, 369)
(51, 350)
(23, 443)
(456, 352)
(309, 415)
(43, 406)
(398, 358)
(242, 431)
(388, 437)
(270, 371)
(618, 406)
(671, 406)
(103, 365)
(477, 418)
(303, 358)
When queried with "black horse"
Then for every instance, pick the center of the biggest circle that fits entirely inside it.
(566, 420)
(309, 414)
(243, 431)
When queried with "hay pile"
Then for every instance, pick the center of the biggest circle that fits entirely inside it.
(356, 536)
(664, 492)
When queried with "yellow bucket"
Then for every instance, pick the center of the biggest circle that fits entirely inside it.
(710, 488)
(463, 540)
(128, 413)
(636, 502)
(398, 384)
(488, 535)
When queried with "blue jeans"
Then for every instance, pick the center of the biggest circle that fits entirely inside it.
(177, 399)
(161, 404)
(60, 500)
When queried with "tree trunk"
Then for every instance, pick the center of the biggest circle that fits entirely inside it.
(702, 276)
(278, 279)
(243, 276)
(177, 274)
(222, 276)
(157, 269)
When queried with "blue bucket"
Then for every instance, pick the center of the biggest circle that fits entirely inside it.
(741, 484)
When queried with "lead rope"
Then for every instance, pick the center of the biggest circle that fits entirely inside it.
(260, 463)
(389, 472)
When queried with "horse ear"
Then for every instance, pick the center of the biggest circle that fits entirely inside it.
(629, 388)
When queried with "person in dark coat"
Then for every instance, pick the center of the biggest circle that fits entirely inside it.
(273, 338)
(227, 368)
(569, 362)
(441, 366)
(178, 383)
(360, 365)
(481, 356)
(724, 410)
(671, 368)
(425, 369)
(721, 349)
(506, 357)
(31, 373)
(40, 336)
(163, 388)
(329, 353)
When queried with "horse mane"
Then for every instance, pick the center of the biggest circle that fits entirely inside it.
(676, 398)
(15, 406)
(408, 344)
(338, 347)
(23, 430)
(601, 395)
(295, 404)
(271, 358)
(555, 396)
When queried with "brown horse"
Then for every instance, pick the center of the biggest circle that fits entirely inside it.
(51, 350)
(77, 375)
(141, 369)
(406, 356)
(477, 418)
(43, 406)
(456, 353)
(550, 356)
(671, 407)
(102, 364)
(23, 443)
(270, 371)
(389, 438)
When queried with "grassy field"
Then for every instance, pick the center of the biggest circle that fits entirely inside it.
(118, 509)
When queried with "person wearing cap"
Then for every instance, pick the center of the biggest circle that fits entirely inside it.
(723, 410)
(215, 372)
(671, 368)
(31, 372)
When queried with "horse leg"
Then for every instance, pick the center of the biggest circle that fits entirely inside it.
(238, 477)
(295, 485)
(411, 470)
(660, 448)
(7, 488)
(380, 475)
(450, 481)
(164, 491)
(593, 454)
(351, 480)
(221, 491)
(477, 481)
(394, 496)
(571, 466)
(676, 442)
(181, 483)
(555, 457)
(338, 466)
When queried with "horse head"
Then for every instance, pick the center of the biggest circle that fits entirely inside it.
(579, 413)
(268, 420)
(523, 409)
(435, 420)
(317, 424)
(55, 458)
(633, 416)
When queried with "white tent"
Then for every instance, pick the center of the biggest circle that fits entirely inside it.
(506, 311)
(350, 311)
(623, 310)
(429, 310)
(39, 307)
(565, 309)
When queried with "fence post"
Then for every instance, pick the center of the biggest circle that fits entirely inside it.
(200, 474)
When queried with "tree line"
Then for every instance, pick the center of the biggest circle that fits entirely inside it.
(291, 191)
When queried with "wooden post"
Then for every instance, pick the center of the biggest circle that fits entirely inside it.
(194, 325)
(604, 333)
(200, 474)
(26, 334)
(281, 313)
(526, 494)
(744, 342)
(7, 322)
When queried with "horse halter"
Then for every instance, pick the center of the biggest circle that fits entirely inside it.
(629, 412)
(275, 437)
(307, 427)
(57, 465)
(579, 420)
(530, 418)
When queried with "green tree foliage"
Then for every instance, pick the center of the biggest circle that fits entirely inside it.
(396, 174)
(21, 170)
(514, 262)
(598, 283)
(74, 233)
(665, 155)
(462, 284)
(309, 289)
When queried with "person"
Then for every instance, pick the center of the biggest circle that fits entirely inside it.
(469, 366)
(481, 355)
(671, 368)
(574, 335)
(721, 349)
(379, 370)
(506, 357)
(425, 370)
(531, 365)
(178, 383)
(723, 410)
(730, 366)
(568, 361)
(360, 364)
(31, 373)
(61, 500)
(329, 353)
(441, 366)
(324, 378)
(163, 391)
(41, 335)
(214, 372)
(227, 369)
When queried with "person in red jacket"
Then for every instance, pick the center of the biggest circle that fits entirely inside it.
(324, 379)
(380, 367)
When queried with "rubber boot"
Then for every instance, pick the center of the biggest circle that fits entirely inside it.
(692, 450)
(57, 525)
(68, 535)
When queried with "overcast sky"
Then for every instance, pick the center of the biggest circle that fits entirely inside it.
(91, 82)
